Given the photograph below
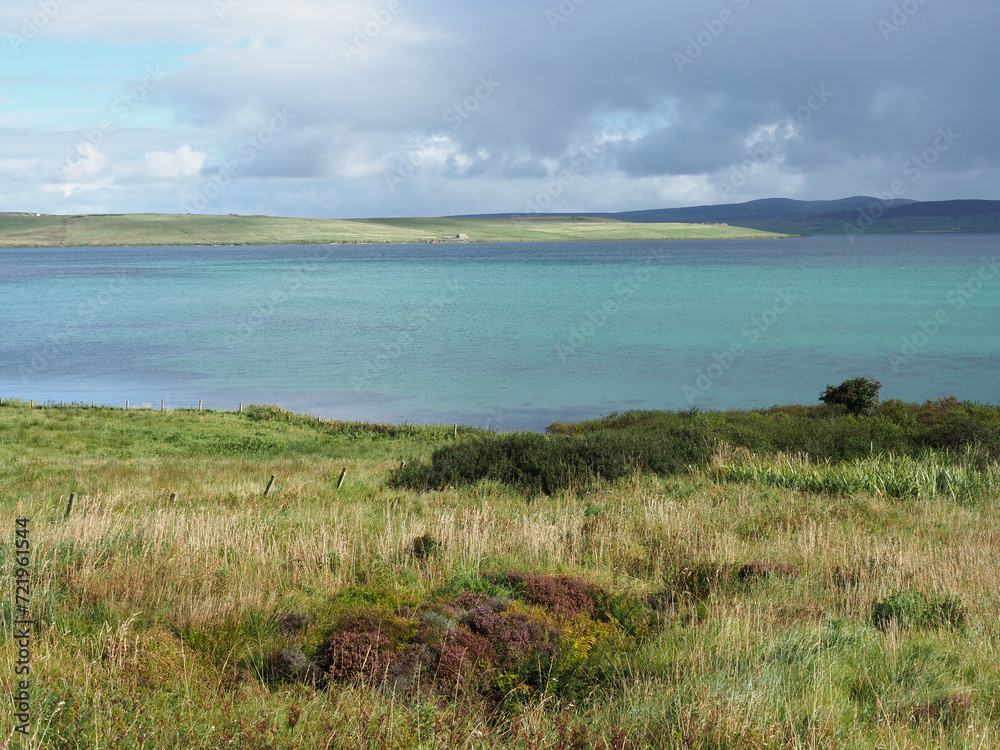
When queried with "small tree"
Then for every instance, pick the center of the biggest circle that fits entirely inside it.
(859, 395)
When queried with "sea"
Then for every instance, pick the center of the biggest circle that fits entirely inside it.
(507, 336)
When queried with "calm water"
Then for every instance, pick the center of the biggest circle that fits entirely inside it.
(511, 336)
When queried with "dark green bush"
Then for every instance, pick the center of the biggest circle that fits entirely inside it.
(959, 428)
(551, 463)
(898, 412)
(664, 443)
(826, 431)
(858, 395)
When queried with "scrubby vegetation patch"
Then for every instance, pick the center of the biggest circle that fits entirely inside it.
(546, 638)
(548, 463)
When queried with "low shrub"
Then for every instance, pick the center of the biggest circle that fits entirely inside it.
(551, 636)
(959, 428)
(551, 463)
(563, 596)
(665, 443)
(898, 412)
(364, 646)
(826, 431)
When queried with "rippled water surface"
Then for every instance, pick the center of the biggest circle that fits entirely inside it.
(507, 335)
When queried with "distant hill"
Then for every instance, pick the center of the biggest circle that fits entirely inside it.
(767, 207)
(858, 213)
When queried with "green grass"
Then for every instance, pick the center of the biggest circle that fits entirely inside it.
(26, 230)
(763, 598)
(894, 477)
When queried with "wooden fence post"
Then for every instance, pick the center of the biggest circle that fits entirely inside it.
(343, 473)
(269, 483)
(69, 505)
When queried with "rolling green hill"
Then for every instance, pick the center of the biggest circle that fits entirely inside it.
(31, 230)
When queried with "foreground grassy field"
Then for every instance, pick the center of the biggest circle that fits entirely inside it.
(26, 230)
(759, 597)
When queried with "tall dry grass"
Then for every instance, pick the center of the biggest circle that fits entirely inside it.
(155, 618)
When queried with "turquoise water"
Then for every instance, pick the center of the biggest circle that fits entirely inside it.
(506, 335)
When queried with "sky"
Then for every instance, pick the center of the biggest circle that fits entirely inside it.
(352, 109)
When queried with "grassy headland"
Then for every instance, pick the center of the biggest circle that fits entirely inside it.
(801, 579)
(28, 230)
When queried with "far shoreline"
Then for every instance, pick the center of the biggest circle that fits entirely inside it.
(345, 243)
(27, 231)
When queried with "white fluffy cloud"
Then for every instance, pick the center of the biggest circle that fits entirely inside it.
(171, 165)
(89, 163)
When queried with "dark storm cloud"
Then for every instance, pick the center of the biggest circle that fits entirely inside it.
(406, 106)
